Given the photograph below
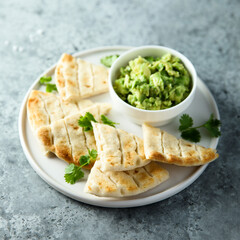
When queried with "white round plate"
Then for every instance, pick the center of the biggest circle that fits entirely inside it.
(51, 169)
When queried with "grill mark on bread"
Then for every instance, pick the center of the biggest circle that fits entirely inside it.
(136, 182)
(60, 105)
(120, 147)
(108, 177)
(163, 150)
(179, 149)
(199, 155)
(77, 80)
(137, 151)
(69, 140)
(150, 175)
(44, 104)
(53, 139)
(85, 139)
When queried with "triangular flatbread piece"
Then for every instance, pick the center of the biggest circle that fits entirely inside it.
(164, 147)
(76, 78)
(118, 150)
(66, 138)
(46, 108)
(124, 183)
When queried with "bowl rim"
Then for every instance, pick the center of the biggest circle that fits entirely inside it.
(183, 58)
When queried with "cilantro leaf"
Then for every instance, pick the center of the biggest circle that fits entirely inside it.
(212, 125)
(45, 79)
(93, 154)
(84, 160)
(70, 168)
(73, 173)
(191, 134)
(107, 121)
(51, 87)
(85, 121)
(185, 122)
(108, 60)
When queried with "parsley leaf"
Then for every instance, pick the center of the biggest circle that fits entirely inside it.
(108, 60)
(212, 125)
(85, 121)
(73, 173)
(107, 121)
(185, 122)
(49, 86)
(192, 134)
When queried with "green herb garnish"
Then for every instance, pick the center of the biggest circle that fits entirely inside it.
(73, 172)
(49, 86)
(107, 121)
(191, 133)
(108, 60)
(85, 121)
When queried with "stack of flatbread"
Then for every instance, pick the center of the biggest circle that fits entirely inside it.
(126, 164)
(54, 119)
(122, 169)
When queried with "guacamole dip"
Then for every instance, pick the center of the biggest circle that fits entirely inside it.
(153, 83)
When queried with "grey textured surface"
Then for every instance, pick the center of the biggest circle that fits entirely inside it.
(33, 34)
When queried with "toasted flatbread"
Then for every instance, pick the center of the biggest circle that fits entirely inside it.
(45, 108)
(164, 147)
(76, 78)
(124, 183)
(66, 138)
(118, 150)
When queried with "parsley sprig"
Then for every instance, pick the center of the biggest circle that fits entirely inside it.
(49, 86)
(73, 172)
(191, 133)
(85, 121)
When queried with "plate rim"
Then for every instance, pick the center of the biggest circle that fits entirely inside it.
(109, 203)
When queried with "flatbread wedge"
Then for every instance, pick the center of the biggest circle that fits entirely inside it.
(45, 108)
(76, 78)
(124, 183)
(118, 150)
(164, 147)
(66, 138)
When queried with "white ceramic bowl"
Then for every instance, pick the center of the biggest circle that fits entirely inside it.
(154, 117)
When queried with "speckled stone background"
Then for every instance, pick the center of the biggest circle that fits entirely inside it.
(33, 34)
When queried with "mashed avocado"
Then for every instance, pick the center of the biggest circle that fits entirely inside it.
(153, 83)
